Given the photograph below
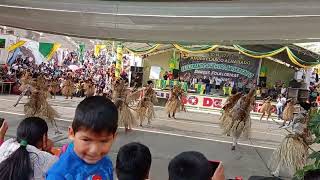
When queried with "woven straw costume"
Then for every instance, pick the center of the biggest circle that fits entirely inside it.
(68, 87)
(293, 150)
(54, 87)
(225, 118)
(288, 112)
(146, 105)
(174, 102)
(240, 123)
(266, 108)
(121, 98)
(37, 106)
(88, 88)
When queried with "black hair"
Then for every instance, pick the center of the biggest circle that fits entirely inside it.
(133, 162)
(96, 113)
(312, 175)
(149, 82)
(190, 165)
(18, 165)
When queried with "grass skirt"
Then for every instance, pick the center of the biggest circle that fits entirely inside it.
(172, 105)
(225, 121)
(145, 110)
(67, 90)
(89, 91)
(38, 106)
(235, 126)
(126, 117)
(266, 108)
(288, 113)
(292, 153)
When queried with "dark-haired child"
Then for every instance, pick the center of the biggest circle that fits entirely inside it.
(133, 162)
(93, 132)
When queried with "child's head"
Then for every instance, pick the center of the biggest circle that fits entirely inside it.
(31, 131)
(189, 165)
(94, 128)
(34, 131)
(133, 162)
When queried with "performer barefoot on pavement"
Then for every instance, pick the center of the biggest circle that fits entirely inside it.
(146, 104)
(240, 123)
(88, 88)
(68, 87)
(293, 152)
(121, 97)
(225, 118)
(174, 101)
(266, 108)
(37, 106)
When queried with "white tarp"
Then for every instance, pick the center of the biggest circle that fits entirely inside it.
(155, 72)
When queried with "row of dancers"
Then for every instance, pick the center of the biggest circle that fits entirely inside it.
(133, 105)
(293, 151)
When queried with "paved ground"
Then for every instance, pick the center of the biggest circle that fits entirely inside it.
(167, 137)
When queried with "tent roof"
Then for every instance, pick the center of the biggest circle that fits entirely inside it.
(196, 22)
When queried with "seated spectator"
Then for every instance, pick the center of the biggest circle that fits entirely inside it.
(25, 157)
(133, 162)
(193, 165)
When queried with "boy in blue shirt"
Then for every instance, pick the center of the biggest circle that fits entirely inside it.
(93, 131)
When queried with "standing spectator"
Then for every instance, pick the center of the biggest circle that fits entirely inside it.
(280, 104)
(218, 81)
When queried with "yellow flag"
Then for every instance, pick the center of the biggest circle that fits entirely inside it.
(16, 45)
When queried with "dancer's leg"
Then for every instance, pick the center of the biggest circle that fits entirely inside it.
(20, 97)
(262, 116)
(234, 143)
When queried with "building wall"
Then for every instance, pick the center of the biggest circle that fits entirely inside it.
(161, 60)
(276, 72)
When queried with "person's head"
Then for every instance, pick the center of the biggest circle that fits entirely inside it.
(133, 162)
(190, 165)
(312, 175)
(94, 128)
(31, 131)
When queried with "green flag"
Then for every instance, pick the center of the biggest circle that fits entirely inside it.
(2, 43)
(174, 61)
(81, 52)
(48, 49)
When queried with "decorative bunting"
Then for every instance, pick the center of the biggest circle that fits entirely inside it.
(16, 45)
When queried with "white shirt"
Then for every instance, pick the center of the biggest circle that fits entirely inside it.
(41, 160)
(218, 81)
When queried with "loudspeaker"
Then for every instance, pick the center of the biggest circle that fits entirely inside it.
(136, 69)
(176, 73)
(262, 81)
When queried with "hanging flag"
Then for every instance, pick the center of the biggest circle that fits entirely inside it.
(16, 45)
(263, 71)
(119, 61)
(98, 48)
(2, 43)
(173, 62)
(81, 52)
(14, 56)
(48, 49)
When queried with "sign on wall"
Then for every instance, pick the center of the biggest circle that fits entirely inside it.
(227, 66)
